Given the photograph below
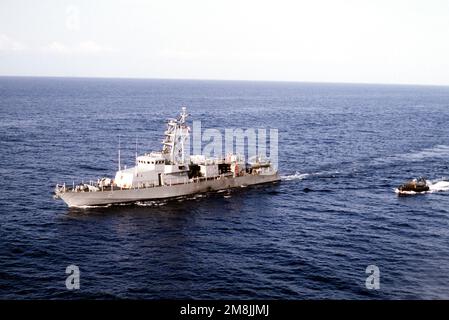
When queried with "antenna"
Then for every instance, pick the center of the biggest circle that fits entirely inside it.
(119, 166)
(135, 166)
(136, 148)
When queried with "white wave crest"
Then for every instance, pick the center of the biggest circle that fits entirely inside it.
(438, 186)
(150, 203)
(92, 207)
(296, 176)
(438, 151)
(406, 192)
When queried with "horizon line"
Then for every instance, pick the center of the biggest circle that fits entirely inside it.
(228, 80)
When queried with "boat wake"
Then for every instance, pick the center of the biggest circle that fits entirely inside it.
(319, 174)
(439, 186)
(296, 176)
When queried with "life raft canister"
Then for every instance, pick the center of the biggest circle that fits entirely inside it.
(236, 169)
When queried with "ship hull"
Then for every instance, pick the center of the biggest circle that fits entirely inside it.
(85, 199)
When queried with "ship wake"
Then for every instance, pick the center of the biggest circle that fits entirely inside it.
(296, 176)
(440, 185)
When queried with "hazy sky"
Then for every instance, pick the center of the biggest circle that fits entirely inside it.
(377, 41)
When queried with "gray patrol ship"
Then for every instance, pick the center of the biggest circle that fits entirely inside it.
(169, 174)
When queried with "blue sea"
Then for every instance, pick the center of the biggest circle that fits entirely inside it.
(343, 149)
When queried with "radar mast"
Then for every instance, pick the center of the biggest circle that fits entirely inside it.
(175, 139)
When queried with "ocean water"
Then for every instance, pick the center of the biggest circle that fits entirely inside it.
(343, 149)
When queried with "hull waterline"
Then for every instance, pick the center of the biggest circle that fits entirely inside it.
(86, 199)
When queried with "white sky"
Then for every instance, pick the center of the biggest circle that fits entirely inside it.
(374, 41)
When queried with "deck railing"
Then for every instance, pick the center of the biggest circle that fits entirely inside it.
(139, 186)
